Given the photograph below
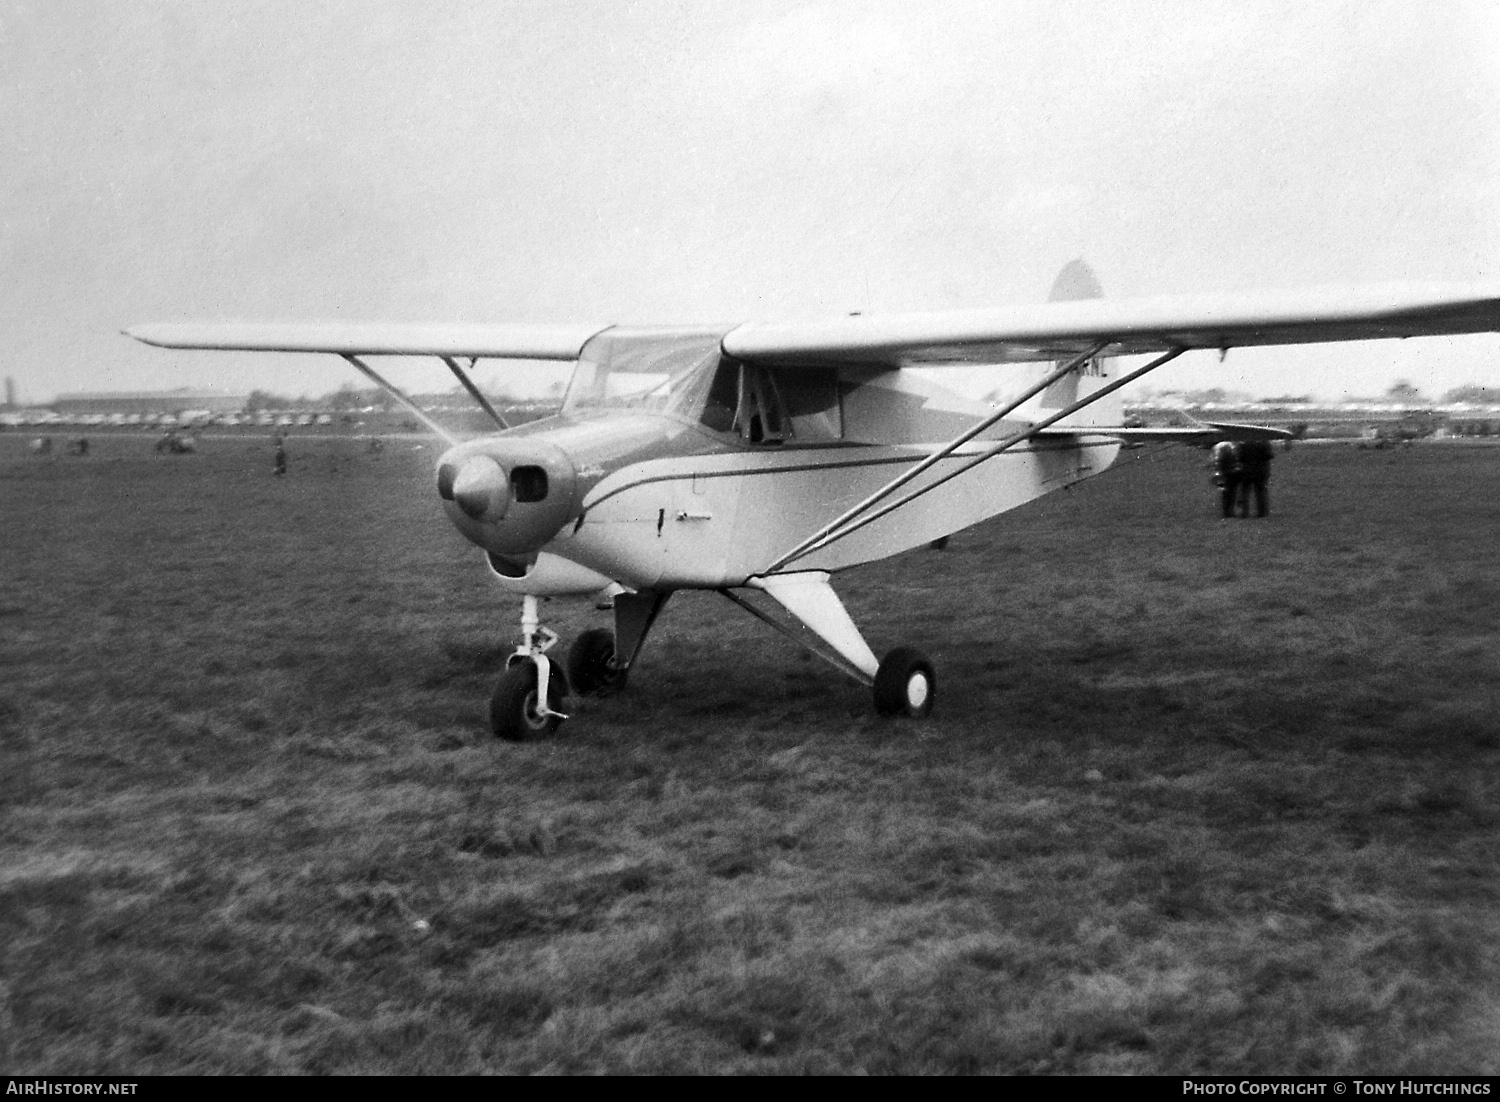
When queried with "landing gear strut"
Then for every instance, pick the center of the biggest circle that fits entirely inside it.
(591, 664)
(530, 692)
(600, 660)
(528, 700)
(812, 615)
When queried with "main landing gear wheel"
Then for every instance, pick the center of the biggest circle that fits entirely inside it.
(589, 668)
(905, 684)
(514, 715)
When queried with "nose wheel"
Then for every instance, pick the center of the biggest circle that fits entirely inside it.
(530, 692)
(517, 713)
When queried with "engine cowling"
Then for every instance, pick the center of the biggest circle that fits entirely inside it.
(509, 495)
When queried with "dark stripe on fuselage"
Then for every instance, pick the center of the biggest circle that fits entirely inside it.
(907, 459)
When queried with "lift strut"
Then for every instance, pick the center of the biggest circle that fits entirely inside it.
(474, 392)
(858, 517)
(400, 396)
(818, 537)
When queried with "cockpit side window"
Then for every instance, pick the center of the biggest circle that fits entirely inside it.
(683, 373)
(723, 397)
(657, 371)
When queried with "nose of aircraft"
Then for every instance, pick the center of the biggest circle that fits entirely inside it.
(481, 488)
(508, 495)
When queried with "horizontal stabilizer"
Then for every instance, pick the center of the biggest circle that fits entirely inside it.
(1224, 430)
(513, 342)
(1205, 432)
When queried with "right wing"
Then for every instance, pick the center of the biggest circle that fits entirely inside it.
(355, 339)
(514, 342)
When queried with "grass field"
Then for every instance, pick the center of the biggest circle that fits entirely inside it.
(1198, 796)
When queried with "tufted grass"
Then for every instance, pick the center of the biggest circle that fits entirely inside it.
(1198, 796)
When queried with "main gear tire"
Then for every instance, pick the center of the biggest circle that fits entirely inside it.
(514, 715)
(905, 684)
(590, 671)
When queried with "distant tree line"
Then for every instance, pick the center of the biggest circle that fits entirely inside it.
(349, 397)
(264, 399)
(1472, 393)
(342, 400)
(1402, 391)
(1475, 394)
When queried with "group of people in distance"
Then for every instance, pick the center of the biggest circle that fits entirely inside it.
(1240, 469)
(42, 445)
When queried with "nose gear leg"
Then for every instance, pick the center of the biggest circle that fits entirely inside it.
(536, 641)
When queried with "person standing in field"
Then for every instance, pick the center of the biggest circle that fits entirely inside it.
(280, 456)
(1255, 472)
(1225, 462)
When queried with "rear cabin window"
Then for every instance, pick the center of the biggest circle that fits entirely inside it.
(812, 404)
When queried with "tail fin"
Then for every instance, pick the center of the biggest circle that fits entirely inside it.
(1078, 281)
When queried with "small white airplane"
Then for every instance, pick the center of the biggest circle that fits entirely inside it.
(758, 459)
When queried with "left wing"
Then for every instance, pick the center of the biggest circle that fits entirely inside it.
(1055, 330)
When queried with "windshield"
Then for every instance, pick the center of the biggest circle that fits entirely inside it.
(662, 370)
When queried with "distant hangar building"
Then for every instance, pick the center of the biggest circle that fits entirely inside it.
(141, 401)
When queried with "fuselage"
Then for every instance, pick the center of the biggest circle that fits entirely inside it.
(672, 466)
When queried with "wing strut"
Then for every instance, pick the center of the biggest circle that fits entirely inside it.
(468, 384)
(410, 406)
(818, 537)
(835, 533)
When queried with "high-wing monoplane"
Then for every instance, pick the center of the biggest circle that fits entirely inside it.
(759, 459)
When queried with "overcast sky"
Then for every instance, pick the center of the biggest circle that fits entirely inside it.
(670, 161)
